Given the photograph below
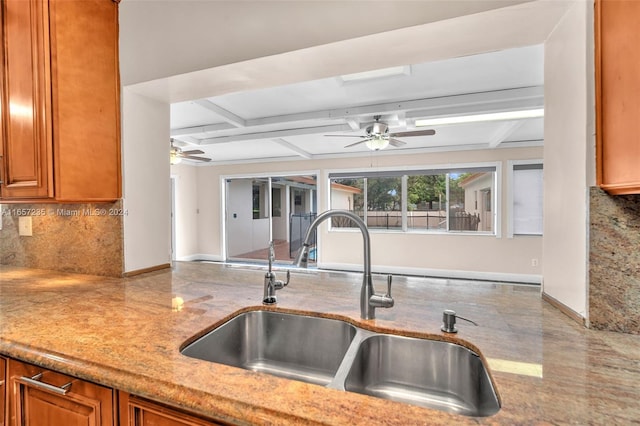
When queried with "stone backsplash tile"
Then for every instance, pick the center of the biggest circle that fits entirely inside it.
(80, 238)
(614, 262)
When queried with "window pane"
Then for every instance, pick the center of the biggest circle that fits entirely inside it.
(471, 207)
(439, 200)
(276, 200)
(384, 202)
(259, 200)
(527, 201)
(426, 202)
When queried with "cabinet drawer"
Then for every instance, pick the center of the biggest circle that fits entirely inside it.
(38, 395)
(136, 411)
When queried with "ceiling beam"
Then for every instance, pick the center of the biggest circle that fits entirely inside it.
(504, 131)
(301, 152)
(195, 130)
(275, 134)
(353, 123)
(494, 101)
(227, 116)
(414, 108)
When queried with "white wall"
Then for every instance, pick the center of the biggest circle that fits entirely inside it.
(568, 116)
(186, 211)
(147, 188)
(158, 32)
(478, 256)
(342, 200)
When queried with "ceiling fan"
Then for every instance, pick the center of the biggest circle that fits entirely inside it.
(378, 136)
(176, 155)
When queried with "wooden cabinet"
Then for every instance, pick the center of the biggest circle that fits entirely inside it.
(26, 101)
(37, 396)
(3, 395)
(60, 101)
(136, 411)
(617, 95)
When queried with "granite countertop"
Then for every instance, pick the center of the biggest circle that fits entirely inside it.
(126, 334)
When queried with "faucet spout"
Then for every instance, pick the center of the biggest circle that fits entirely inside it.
(271, 284)
(369, 300)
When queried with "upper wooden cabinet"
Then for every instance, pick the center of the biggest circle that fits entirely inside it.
(617, 95)
(60, 101)
(26, 101)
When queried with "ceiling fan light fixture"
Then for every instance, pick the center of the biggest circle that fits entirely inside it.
(476, 118)
(376, 144)
(173, 157)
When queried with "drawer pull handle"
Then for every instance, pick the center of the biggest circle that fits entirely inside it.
(35, 381)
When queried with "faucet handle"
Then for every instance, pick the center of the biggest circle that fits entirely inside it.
(389, 280)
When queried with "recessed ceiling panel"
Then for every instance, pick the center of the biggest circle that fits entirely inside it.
(522, 67)
(189, 114)
(291, 121)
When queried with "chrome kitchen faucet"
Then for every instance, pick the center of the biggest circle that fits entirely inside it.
(271, 284)
(369, 300)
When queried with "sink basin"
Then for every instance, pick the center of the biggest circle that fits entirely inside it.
(428, 373)
(299, 347)
(336, 354)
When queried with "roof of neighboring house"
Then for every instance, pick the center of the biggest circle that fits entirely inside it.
(472, 178)
(303, 179)
(345, 188)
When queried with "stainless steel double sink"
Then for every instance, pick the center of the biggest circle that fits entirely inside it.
(334, 353)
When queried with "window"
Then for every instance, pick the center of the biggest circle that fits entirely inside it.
(260, 201)
(427, 201)
(527, 199)
(443, 200)
(276, 202)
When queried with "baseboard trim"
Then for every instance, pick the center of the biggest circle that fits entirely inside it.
(564, 309)
(441, 273)
(146, 270)
(198, 256)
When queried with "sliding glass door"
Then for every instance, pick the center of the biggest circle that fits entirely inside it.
(260, 210)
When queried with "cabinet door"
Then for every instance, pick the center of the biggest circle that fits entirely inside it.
(3, 386)
(617, 96)
(86, 104)
(26, 101)
(135, 411)
(42, 397)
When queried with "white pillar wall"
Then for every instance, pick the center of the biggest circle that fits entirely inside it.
(147, 186)
(568, 118)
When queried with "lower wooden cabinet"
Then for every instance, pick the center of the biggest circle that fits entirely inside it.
(3, 364)
(136, 411)
(34, 396)
(40, 397)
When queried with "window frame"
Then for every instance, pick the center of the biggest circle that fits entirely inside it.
(405, 171)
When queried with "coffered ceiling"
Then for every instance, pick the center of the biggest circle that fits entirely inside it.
(291, 122)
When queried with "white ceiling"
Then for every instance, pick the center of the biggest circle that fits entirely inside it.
(289, 122)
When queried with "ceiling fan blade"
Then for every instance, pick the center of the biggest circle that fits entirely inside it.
(191, 157)
(193, 151)
(356, 143)
(347, 136)
(427, 132)
(396, 142)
